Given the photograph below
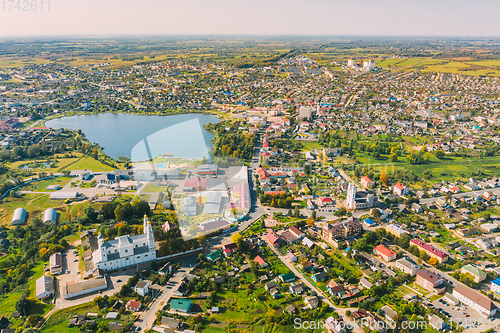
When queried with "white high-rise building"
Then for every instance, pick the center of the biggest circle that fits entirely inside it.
(305, 112)
(369, 65)
(125, 251)
(350, 63)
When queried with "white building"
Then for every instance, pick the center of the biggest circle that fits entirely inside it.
(396, 230)
(360, 199)
(142, 288)
(125, 251)
(305, 112)
(477, 301)
(19, 216)
(350, 62)
(407, 266)
(44, 287)
(50, 216)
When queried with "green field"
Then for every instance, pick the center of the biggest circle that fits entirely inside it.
(152, 188)
(87, 163)
(452, 66)
(40, 186)
(449, 168)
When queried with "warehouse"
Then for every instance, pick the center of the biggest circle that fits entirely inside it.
(19, 216)
(213, 203)
(50, 216)
(44, 287)
(75, 289)
(207, 170)
(188, 206)
(64, 195)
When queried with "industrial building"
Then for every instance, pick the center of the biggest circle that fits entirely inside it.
(55, 263)
(65, 195)
(80, 288)
(188, 206)
(44, 287)
(191, 184)
(19, 216)
(213, 203)
(207, 170)
(50, 216)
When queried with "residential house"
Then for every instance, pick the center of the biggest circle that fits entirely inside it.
(334, 288)
(274, 238)
(395, 230)
(180, 305)
(214, 256)
(297, 289)
(133, 306)
(312, 302)
(170, 323)
(384, 252)
(319, 276)
(285, 278)
(400, 189)
(261, 262)
(367, 182)
(229, 249)
(291, 257)
(365, 283)
(307, 242)
(390, 314)
(142, 288)
(495, 286)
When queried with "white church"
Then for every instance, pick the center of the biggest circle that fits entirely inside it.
(125, 251)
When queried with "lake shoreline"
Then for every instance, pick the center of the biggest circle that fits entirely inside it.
(173, 113)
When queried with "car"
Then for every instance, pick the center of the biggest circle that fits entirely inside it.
(67, 272)
(75, 260)
(119, 280)
(77, 272)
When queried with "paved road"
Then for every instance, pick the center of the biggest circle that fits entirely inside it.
(148, 317)
(461, 195)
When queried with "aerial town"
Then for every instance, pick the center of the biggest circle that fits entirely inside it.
(342, 193)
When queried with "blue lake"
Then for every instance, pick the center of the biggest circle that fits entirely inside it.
(142, 137)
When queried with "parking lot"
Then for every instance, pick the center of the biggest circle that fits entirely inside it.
(70, 264)
(465, 316)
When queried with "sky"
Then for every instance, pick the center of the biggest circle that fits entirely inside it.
(251, 17)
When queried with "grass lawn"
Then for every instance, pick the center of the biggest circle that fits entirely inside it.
(347, 263)
(35, 204)
(87, 163)
(41, 185)
(58, 322)
(308, 145)
(145, 197)
(152, 188)
(8, 303)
